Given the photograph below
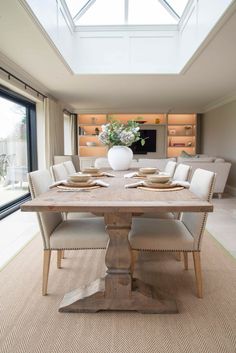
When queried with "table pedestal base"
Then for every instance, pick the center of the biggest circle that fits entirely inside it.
(92, 298)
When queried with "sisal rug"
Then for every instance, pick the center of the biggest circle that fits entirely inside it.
(30, 323)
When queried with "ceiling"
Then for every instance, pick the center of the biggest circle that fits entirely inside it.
(210, 77)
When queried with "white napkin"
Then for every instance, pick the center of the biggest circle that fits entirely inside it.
(131, 175)
(108, 174)
(100, 183)
(134, 185)
(60, 182)
(185, 184)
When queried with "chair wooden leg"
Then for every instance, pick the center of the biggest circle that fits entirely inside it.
(59, 257)
(46, 266)
(178, 255)
(133, 260)
(185, 260)
(198, 273)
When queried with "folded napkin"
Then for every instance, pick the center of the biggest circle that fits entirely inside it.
(107, 174)
(66, 183)
(134, 185)
(131, 175)
(185, 184)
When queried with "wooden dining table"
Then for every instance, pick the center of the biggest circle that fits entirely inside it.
(118, 290)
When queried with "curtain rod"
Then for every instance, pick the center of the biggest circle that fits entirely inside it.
(24, 83)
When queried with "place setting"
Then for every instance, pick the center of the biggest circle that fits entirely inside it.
(95, 172)
(142, 173)
(158, 182)
(79, 182)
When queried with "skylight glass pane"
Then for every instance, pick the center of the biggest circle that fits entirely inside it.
(75, 6)
(148, 12)
(103, 12)
(178, 6)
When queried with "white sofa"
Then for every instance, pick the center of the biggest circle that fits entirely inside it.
(214, 164)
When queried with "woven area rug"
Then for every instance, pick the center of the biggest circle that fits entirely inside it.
(30, 323)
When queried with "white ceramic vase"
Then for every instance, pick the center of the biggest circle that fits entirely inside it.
(120, 157)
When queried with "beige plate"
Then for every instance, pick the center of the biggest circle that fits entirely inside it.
(97, 175)
(79, 184)
(78, 188)
(176, 188)
(159, 185)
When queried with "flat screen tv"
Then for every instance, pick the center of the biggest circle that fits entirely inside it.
(150, 142)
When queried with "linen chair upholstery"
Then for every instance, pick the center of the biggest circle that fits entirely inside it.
(170, 168)
(184, 235)
(182, 172)
(83, 233)
(70, 168)
(59, 172)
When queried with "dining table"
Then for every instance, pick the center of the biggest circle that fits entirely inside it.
(118, 289)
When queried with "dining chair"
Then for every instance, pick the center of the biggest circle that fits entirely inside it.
(173, 235)
(70, 168)
(182, 172)
(170, 168)
(77, 234)
(59, 172)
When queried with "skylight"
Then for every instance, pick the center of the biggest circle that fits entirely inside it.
(129, 12)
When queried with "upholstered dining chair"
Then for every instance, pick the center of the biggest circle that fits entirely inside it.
(184, 235)
(170, 168)
(75, 234)
(59, 172)
(70, 168)
(182, 172)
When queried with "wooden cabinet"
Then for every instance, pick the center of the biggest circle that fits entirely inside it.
(181, 130)
(179, 133)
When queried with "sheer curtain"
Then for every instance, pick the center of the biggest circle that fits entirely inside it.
(54, 127)
(70, 133)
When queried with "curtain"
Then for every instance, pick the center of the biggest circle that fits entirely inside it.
(70, 133)
(73, 133)
(54, 136)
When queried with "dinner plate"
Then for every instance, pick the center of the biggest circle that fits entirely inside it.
(159, 185)
(79, 184)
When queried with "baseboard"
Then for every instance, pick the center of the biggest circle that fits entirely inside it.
(231, 190)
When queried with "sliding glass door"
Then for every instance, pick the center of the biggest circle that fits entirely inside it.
(17, 149)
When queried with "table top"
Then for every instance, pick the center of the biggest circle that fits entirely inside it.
(117, 198)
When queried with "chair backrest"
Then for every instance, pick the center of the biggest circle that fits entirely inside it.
(170, 168)
(59, 172)
(39, 182)
(182, 172)
(70, 168)
(101, 163)
(202, 185)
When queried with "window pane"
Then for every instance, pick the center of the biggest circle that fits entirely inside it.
(148, 12)
(13, 151)
(75, 6)
(103, 12)
(178, 6)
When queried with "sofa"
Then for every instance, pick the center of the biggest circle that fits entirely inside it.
(214, 164)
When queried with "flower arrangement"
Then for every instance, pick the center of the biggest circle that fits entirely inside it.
(117, 134)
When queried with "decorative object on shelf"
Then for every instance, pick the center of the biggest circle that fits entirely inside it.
(172, 132)
(96, 131)
(93, 120)
(157, 121)
(118, 137)
(178, 144)
(140, 120)
(189, 144)
(90, 143)
(170, 143)
(188, 130)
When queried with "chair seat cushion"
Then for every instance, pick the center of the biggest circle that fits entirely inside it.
(87, 233)
(160, 235)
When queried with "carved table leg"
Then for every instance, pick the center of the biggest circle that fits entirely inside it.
(117, 291)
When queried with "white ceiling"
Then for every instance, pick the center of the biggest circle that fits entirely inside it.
(210, 77)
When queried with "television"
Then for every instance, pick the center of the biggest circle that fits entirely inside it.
(150, 142)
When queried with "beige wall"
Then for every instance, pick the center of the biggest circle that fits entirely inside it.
(219, 136)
